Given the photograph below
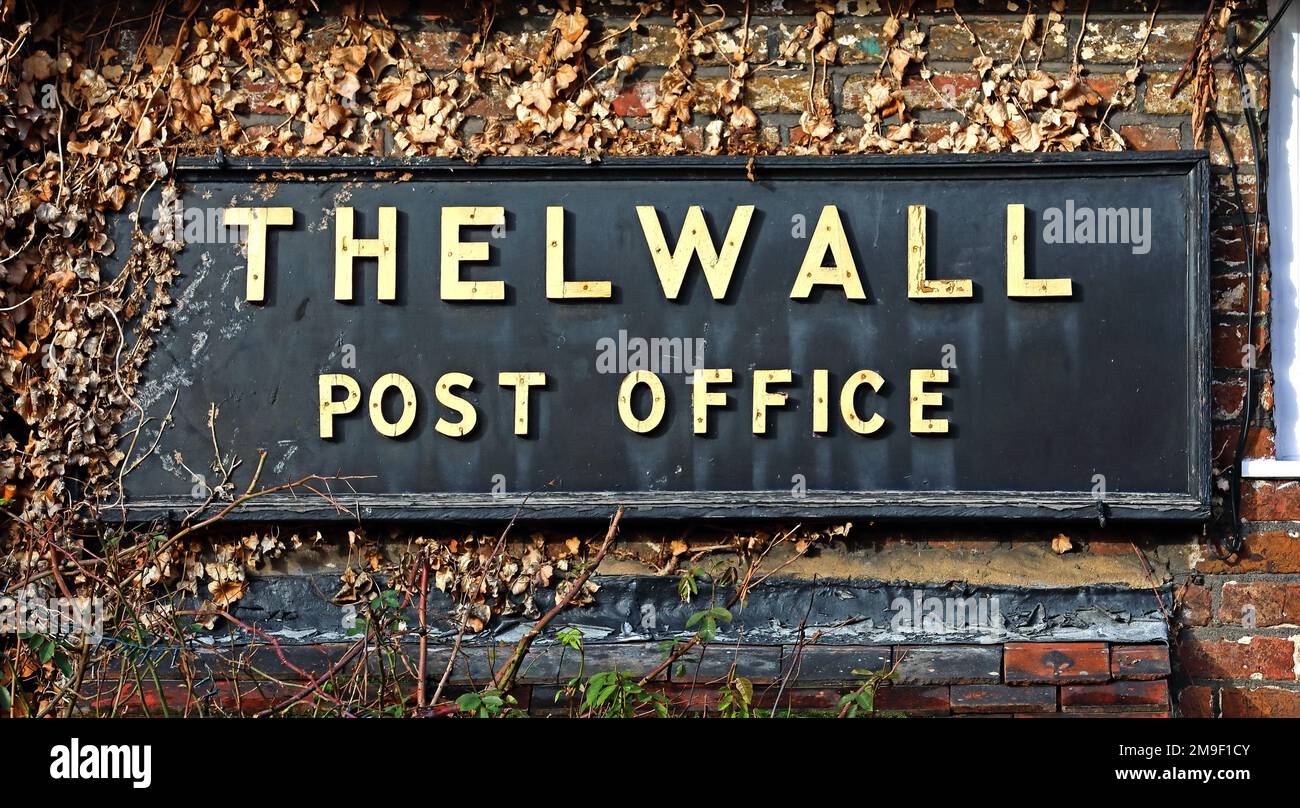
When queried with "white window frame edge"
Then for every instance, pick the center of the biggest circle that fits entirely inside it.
(1284, 229)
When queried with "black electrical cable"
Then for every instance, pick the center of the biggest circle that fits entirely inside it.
(1234, 542)
(1250, 236)
(1267, 30)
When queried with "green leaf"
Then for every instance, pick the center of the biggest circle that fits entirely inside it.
(746, 689)
(470, 702)
(709, 631)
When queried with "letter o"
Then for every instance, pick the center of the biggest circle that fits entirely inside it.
(382, 425)
(658, 397)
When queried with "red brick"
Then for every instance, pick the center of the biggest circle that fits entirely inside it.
(1056, 662)
(1249, 658)
(438, 50)
(636, 100)
(1259, 702)
(933, 132)
(220, 696)
(950, 91)
(1273, 551)
(1106, 85)
(1239, 136)
(1259, 603)
(691, 697)
(1139, 661)
(914, 700)
(260, 94)
(1003, 699)
(1229, 396)
(1228, 345)
(1194, 701)
(1260, 442)
(1272, 501)
(1195, 605)
(799, 698)
(1229, 293)
(1227, 245)
(1150, 138)
(1223, 201)
(1116, 696)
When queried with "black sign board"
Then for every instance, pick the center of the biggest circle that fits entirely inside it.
(946, 337)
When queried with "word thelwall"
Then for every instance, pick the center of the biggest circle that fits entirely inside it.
(829, 240)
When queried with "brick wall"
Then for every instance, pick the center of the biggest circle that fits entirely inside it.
(1021, 679)
(1222, 665)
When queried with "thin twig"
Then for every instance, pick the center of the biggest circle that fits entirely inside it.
(506, 676)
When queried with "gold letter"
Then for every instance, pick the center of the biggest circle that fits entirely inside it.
(347, 248)
(625, 390)
(557, 288)
(329, 407)
(871, 379)
(1017, 284)
(764, 399)
(821, 384)
(257, 220)
(829, 234)
(382, 425)
(917, 284)
(521, 382)
(454, 251)
(702, 399)
(695, 239)
(468, 415)
(921, 399)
